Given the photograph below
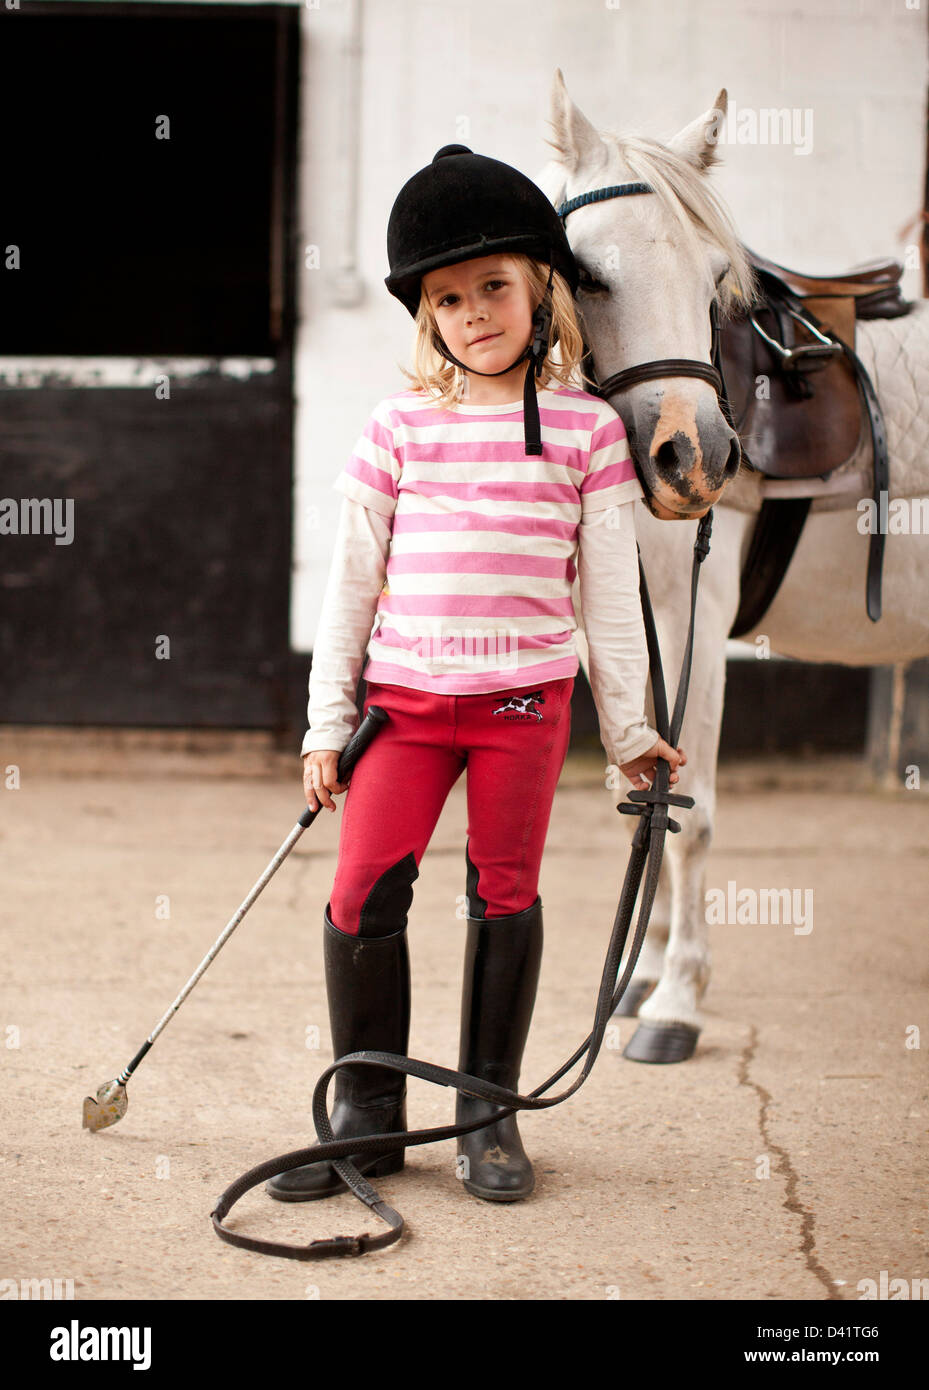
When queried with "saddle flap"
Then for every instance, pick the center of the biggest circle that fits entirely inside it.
(836, 312)
(785, 434)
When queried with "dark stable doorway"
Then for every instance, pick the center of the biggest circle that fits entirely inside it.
(149, 191)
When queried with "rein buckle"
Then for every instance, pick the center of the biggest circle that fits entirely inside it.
(650, 800)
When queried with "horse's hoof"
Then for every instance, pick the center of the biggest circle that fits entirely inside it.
(662, 1042)
(633, 996)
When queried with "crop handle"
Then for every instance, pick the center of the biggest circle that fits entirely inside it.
(372, 723)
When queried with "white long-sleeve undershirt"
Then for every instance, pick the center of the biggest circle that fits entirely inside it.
(607, 568)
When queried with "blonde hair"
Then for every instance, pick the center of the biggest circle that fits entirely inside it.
(435, 376)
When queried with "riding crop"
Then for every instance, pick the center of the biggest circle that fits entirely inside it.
(111, 1101)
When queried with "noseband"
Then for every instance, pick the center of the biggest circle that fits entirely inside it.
(666, 366)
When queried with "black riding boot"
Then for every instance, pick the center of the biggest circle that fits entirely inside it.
(368, 983)
(503, 956)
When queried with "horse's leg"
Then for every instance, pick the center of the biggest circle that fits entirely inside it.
(670, 1019)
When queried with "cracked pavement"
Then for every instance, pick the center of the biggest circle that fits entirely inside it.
(786, 1160)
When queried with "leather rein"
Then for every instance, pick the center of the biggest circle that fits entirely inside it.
(645, 858)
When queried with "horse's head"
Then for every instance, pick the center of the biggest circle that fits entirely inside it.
(651, 266)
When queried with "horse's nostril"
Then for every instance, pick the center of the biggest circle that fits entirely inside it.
(735, 458)
(666, 459)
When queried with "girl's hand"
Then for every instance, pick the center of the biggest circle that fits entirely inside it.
(320, 778)
(647, 763)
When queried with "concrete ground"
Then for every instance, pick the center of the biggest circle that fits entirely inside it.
(126, 853)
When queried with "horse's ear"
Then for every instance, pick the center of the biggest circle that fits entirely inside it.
(697, 142)
(575, 139)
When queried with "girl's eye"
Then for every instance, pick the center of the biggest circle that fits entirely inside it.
(490, 284)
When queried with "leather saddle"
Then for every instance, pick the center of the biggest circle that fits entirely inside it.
(793, 391)
(800, 398)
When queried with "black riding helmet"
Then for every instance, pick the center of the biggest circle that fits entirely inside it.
(464, 205)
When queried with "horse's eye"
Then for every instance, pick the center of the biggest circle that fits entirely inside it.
(722, 275)
(588, 284)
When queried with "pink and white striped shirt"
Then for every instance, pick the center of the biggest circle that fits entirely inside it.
(484, 539)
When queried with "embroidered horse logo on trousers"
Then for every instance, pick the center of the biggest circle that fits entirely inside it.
(522, 705)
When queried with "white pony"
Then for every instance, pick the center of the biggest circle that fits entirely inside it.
(650, 266)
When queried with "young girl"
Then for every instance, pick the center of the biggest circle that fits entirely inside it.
(472, 500)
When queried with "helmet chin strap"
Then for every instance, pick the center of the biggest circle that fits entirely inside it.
(535, 351)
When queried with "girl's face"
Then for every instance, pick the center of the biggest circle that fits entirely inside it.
(483, 310)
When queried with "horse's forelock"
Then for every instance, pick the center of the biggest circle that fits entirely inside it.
(685, 193)
(688, 196)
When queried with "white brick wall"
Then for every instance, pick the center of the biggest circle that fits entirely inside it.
(480, 72)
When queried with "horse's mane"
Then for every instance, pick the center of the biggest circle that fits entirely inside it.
(687, 195)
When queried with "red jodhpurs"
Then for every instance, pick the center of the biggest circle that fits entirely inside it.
(513, 743)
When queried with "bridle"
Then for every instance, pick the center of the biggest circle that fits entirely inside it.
(665, 366)
(778, 296)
